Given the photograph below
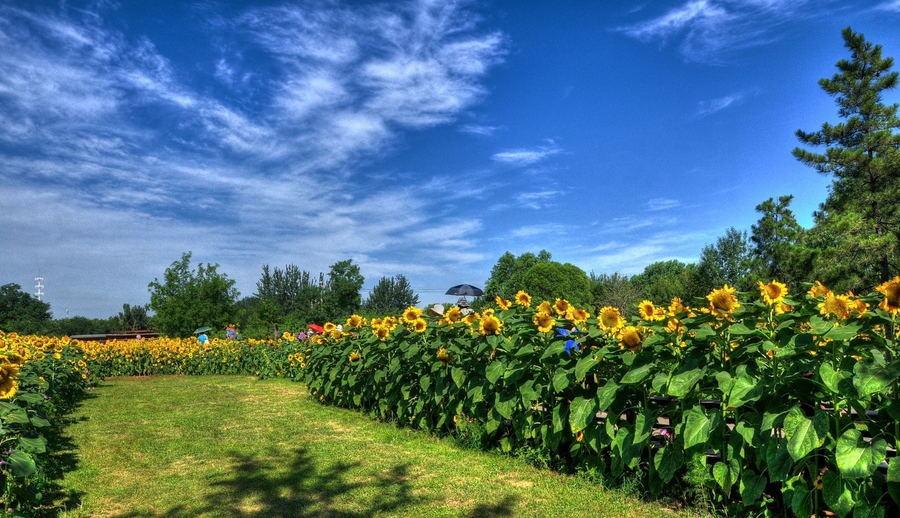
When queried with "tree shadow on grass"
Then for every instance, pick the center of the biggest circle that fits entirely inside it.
(255, 489)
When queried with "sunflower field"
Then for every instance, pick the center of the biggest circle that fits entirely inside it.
(771, 403)
(41, 378)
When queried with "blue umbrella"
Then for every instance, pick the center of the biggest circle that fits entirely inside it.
(465, 290)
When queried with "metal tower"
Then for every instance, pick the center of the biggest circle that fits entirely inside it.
(39, 287)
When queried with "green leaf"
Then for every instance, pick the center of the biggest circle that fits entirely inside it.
(746, 431)
(682, 383)
(803, 434)
(16, 416)
(722, 474)
(459, 376)
(637, 374)
(21, 464)
(33, 444)
(838, 497)
(744, 389)
(425, 382)
(581, 413)
(856, 460)
(560, 414)
(606, 395)
(584, 366)
(494, 371)
(869, 379)
(529, 392)
(740, 329)
(505, 407)
(751, 487)
(778, 460)
(643, 425)
(667, 461)
(561, 380)
(831, 378)
(893, 479)
(696, 427)
(841, 333)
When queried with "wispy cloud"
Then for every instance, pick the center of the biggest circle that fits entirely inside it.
(483, 130)
(537, 230)
(658, 204)
(239, 182)
(521, 157)
(892, 6)
(709, 30)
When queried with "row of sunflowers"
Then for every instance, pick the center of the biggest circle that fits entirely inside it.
(41, 378)
(769, 402)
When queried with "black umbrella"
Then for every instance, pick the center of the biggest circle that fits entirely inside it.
(465, 290)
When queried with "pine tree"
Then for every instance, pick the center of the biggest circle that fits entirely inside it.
(776, 240)
(862, 155)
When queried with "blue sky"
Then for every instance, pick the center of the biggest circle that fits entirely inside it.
(422, 137)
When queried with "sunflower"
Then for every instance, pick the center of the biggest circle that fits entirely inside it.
(610, 319)
(676, 307)
(523, 298)
(836, 305)
(419, 326)
(336, 334)
(577, 315)
(544, 307)
(490, 325)
(329, 327)
(772, 292)
(487, 312)
(649, 311)
(544, 321)
(630, 338)
(470, 318)
(411, 313)
(356, 321)
(9, 382)
(675, 326)
(381, 332)
(288, 336)
(561, 306)
(783, 308)
(818, 290)
(452, 315)
(891, 292)
(723, 302)
(354, 356)
(858, 305)
(502, 303)
(443, 356)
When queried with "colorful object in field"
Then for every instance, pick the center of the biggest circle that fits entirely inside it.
(231, 332)
(316, 328)
(203, 338)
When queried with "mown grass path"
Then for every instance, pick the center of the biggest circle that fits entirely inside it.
(237, 446)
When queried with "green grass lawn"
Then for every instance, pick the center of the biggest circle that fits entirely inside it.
(237, 446)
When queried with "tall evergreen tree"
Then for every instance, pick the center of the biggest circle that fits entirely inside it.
(776, 238)
(391, 295)
(862, 155)
(730, 261)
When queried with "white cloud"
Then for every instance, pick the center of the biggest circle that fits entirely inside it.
(709, 30)
(479, 129)
(711, 106)
(890, 6)
(658, 204)
(537, 230)
(239, 183)
(526, 156)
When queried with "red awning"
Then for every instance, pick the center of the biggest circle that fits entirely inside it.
(316, 328)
